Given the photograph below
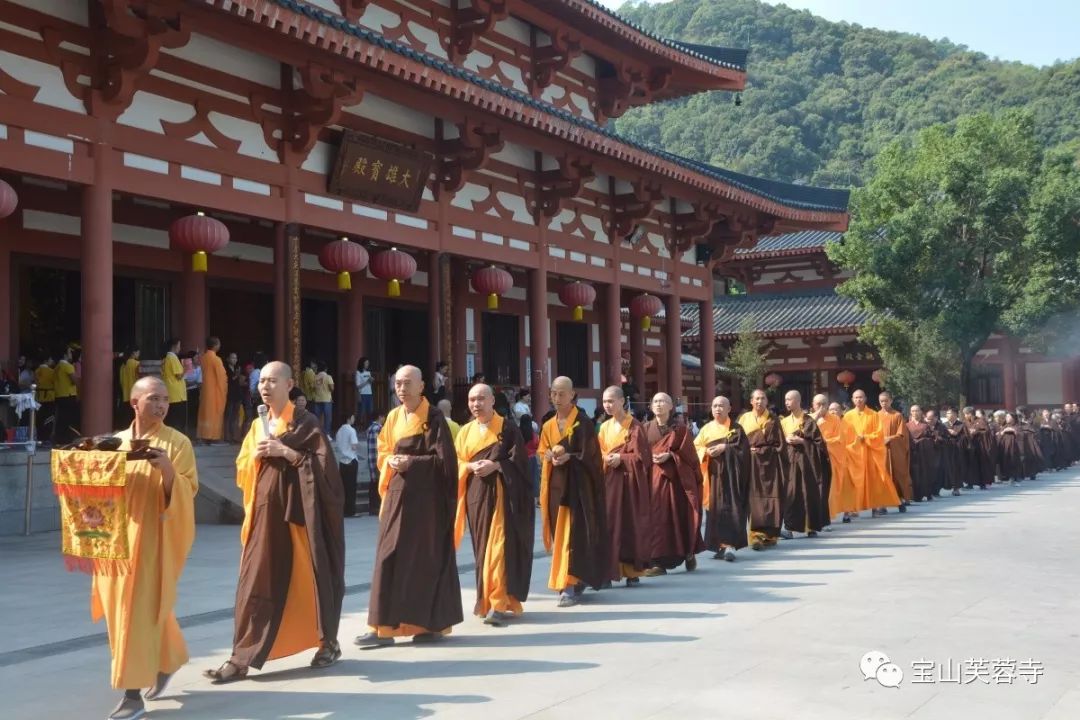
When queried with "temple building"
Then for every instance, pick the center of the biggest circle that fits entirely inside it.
(785, 286)
(450, 160)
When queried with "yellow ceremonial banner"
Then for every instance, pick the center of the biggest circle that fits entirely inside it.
(93, 509)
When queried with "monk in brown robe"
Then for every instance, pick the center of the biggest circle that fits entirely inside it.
(495, 496)
(956, 451)
(415, 589)
(762, 430)
(725, 466)
(292, 567)
(921, 436)
(940, 436)
(676, 490)
(137, 598)
(897, 451)
(806, 465)
(572, 505)
(981, 455)
(212, 394)
(627, 467)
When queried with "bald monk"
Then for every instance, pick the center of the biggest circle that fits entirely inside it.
(292, 566)
(495, 495)
(806, 467)
(415, 590)
(676, 490)
(215, 385)
(572, 505)
(843, 496)
(446, 409)
(894, 430)
(922, 437)
(724, 452)
(762, 430)
(137, 600)
(627, 464)
(866, 457)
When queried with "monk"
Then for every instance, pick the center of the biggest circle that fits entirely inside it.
(572, 506)
(415, 591)
(866, 457)
(292, 566)
(215, 387)
(137, 602)
(940, 436)
(897, 450)
(724, 452)
(956, 451)
(495, 495)
(806, 469)
(627, 467)
(922, 451)
(766, 472)
(981, 453)
(842, 496)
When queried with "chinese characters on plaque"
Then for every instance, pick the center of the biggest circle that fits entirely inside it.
(379, 172)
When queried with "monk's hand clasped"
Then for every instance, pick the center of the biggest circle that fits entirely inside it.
(483, 468)
(717, 450)
(795, 440)
(613, 460)
(661, 457)
(399, 463)
(270, 447)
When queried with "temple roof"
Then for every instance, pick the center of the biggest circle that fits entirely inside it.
(729, 183)
(790, 243)
(821, 312)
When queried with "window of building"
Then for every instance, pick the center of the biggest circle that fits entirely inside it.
(987, 385)
(572, 352)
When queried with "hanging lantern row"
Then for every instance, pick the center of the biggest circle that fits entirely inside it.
(644, 307)
(845, 378)
(493, 282)
(774, 380)
(393, 266)
(879, 376)
(198, 235)
(577, 295)
(9, 200)
(343, 257)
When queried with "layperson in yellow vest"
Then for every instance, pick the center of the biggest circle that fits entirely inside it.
(172, 372)
(292, 566)
(137, 600)
(894, 430)
(495, 495)
(215, 387)
(415, 591)
(675, 490)
(724, 452)
(44, 378)
(572, 507)
(307, 379)
(866, 457)
(446, 408)
(129, 373)
(806, 471)
(627, 461)
(762, 430)
(67, 398)
(842, 497)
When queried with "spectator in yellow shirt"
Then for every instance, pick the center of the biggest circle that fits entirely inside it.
(67, 398)
(324, 396)
(172, 372)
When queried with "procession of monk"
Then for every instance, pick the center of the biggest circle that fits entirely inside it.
(617, 503)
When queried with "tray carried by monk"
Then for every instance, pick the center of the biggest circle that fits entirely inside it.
(93, 509)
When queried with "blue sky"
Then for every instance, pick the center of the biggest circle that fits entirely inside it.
(1032, 31)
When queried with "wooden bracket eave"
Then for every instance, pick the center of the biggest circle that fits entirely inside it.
(353, 10)
(470, 22)
(548, 60)
(471, 150)
(628, 209)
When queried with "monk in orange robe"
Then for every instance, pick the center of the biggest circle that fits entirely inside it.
(866, 457)
(843, 496)
(495, 496)
(897, 448)
(292, 566)
(137, 598)
(215, 385)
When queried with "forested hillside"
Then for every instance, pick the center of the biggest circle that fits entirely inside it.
(824, 97)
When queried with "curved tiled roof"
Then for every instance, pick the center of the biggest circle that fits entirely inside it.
(796, 197)
(791, 243)
(822, 312)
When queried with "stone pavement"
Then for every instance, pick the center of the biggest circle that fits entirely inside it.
(779, 634)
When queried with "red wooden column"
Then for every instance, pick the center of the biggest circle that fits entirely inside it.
(708, 352)
(5, 290)
(613, 334)
(459, 293)
(434, 311)
(96, 264)
(281, 295)
(674, 344)
(292, 288)
(193, 307)
(539, 382)
(637, 359)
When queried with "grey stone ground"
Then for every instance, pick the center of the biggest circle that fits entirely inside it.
(991, 575)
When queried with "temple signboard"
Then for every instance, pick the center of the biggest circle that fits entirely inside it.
(856, 352)
(379, 172)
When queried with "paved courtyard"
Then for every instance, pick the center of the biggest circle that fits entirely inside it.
(984, 588)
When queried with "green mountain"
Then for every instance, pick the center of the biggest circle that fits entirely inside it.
(823, 97)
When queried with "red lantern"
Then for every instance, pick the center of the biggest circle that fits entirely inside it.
(644, 306)
(845, 378)
(773, 380)
(199, 235)
(393, 266)
(9, 200)
(343, 257)
(577, 295)
(493, 282)
(879, 375)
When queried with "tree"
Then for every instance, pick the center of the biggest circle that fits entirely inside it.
(746, 358)
(942, 240)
